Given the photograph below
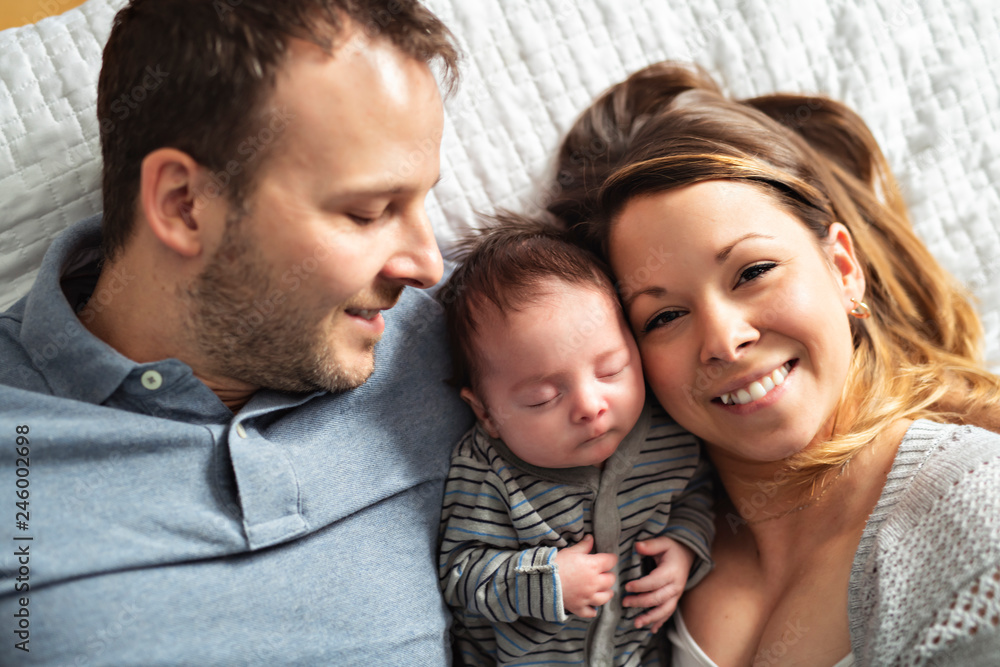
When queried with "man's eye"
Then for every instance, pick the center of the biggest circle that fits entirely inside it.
(755, 271)
(361, 220)
(661, 319)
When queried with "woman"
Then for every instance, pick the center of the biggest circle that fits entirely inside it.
(788, 316)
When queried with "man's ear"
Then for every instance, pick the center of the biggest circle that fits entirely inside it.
(171, 202)
(845, 263)
(482, 414)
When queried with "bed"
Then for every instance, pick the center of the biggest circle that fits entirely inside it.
(925, 74)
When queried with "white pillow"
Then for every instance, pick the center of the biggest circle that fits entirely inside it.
(921, 72)
(50, 156)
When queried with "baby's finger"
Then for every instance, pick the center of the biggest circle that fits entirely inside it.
(657, 616)
(658, 578)
(602, 598)
(583, 546)
(653, 598)
(605, 562)
(654, 546)
(604, 582)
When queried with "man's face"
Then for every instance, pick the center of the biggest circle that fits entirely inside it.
(335, 226)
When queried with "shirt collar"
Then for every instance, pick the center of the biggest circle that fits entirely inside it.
(75, 363)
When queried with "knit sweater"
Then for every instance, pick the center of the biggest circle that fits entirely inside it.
(925, 585)
(504, 519)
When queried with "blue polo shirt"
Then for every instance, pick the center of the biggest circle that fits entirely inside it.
(162, 529)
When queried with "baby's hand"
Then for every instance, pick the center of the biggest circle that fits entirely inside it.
(660, 589)
(586, 580)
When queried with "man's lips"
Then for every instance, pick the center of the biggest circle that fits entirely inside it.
(364, 313)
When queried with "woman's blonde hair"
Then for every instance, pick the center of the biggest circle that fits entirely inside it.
(669, 125)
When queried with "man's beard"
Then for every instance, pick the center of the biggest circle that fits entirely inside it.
(253, 331)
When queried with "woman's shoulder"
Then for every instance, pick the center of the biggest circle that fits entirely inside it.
(945, 478)
(940, 470)
(958, 461)
(929, 562)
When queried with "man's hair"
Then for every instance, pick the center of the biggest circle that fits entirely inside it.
(503, 268)
(196, 75)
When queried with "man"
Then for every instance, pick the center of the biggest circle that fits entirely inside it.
(219, 464)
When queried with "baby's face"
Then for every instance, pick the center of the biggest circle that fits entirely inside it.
(562, 381)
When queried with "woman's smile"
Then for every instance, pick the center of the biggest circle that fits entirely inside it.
(758, 389)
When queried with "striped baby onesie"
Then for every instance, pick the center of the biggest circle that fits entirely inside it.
(503, 520)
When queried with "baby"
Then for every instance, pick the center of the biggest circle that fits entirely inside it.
(569, 482)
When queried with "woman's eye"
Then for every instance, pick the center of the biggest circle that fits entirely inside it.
(661, 319)
(755, 271)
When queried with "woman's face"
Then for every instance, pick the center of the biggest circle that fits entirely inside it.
(740, 313)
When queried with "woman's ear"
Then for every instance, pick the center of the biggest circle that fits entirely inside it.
(846, 266)
(482, 414)
(170, 200)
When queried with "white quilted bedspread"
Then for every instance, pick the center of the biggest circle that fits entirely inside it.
(925, 74)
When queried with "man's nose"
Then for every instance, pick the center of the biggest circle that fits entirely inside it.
(417, 260)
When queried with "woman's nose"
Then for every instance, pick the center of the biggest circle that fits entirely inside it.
(726, 332)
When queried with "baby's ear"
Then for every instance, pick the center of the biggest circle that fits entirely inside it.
(482, 414)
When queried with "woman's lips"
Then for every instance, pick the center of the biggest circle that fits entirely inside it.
(757, 389)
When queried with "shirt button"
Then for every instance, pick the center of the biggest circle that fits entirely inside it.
(152, 380)
(240, 431)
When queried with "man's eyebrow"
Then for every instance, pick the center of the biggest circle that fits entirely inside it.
(376, 191)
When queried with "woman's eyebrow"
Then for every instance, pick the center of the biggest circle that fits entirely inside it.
(720, 257)
(654, 291)
(724, 253)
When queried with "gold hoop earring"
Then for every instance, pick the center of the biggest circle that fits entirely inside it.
(860, 310)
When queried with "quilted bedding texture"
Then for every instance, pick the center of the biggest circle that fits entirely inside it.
(924, 74)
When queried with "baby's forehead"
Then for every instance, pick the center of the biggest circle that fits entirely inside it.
(522, 325)
(548, 294)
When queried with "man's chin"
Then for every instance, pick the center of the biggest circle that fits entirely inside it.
(344, 375)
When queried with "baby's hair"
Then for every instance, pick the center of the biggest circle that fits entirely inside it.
(503, 267)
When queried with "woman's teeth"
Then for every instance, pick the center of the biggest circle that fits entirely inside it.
(758, 389)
